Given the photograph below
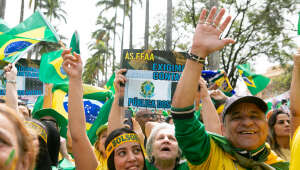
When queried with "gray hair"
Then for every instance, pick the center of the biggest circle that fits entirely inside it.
(152, 136)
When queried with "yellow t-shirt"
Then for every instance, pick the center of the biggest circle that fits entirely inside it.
(218, 159)
(295, 151)
(102, 161)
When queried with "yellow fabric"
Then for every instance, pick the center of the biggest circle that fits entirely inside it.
(119, 140)
(295, 151)
(273, 158)
(218, 159)
(102, 161)
(285, 154)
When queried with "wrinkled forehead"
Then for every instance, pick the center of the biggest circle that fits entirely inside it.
(245, 109)
(166, 131)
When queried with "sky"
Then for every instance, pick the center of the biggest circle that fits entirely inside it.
(82, 15)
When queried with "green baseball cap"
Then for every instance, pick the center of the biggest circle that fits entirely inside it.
(62, 122)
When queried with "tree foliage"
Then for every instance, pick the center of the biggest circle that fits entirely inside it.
(260, 28)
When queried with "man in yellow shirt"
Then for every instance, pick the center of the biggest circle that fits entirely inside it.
(244, 121)
(295, 112)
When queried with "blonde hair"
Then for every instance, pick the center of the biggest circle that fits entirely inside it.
(25, 139)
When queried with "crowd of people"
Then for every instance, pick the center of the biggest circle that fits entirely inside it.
(229, 133)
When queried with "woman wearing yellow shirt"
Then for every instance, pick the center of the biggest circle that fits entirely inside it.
(99, 147)
(295, 112)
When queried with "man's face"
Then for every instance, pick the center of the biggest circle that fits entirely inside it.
(246, 126)
(144, 116)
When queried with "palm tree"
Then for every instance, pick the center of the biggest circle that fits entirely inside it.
(22, 11)
(108, 5)
(125, 13)
(169, 26)
(146, 38)
(132, 2)
(52, 9)
(96, 63)
(2, 8)
(103, 34)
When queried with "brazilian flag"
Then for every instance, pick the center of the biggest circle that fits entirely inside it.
(94, 99)
(51, 69)
(3, 26)
(254, 82)
(35, 27)
(17, 39)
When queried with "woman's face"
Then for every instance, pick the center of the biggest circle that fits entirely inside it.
(282, 125)
(129, 156)
(101, 144)
(9, 148)
(165, 146)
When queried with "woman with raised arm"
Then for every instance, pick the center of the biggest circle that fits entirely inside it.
(82, 149)
(295, 113)
(123, 149)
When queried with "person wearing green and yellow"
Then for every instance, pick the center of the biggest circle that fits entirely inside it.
(244, 127)
(295, 113)
(100, 147)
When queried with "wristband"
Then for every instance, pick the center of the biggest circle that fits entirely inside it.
(196, 58)
(11, 81)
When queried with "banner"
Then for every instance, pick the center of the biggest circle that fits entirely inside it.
(29, 87)
(152, 77)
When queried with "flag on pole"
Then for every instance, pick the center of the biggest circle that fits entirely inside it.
(254, 82)
(31, 31)
(51, 69)
(110, 83)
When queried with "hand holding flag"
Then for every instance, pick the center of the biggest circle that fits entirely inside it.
(51, 68)
(72, 64)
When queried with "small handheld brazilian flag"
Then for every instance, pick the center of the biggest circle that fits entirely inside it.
(254, 82)
(51, 69)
